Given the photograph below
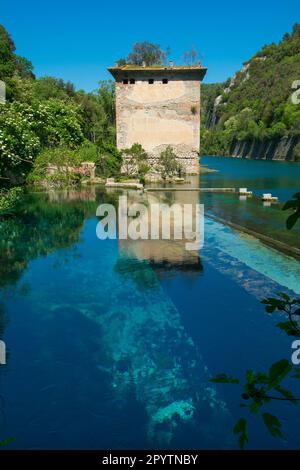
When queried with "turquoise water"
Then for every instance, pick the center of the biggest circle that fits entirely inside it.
(111, 344)
(281, 178)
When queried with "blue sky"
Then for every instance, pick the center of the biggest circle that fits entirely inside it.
(77, 41)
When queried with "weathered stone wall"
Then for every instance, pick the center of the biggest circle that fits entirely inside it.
(157, 115)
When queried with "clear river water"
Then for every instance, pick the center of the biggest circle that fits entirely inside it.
(112, 344)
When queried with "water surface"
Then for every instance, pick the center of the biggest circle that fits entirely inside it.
(111, 344)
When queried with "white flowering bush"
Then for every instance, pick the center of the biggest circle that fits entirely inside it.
(26, 129)
(62, 125)
(19, 143)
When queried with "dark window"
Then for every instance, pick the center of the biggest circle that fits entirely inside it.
(165, 81)
(125, 81)
(150, 81)
(132, 81)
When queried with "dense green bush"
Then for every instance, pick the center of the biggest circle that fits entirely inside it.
(26, 129)
(9, 199)
(168, 165)
(109, 160)
(135, 161)
(63, 158)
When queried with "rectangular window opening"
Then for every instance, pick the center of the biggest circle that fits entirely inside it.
(165, 81)
(125, 81)
(151, 81)
(132, 81)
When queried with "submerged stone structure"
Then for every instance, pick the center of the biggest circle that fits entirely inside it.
(159, 106)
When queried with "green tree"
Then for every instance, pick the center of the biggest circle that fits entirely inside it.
(24, 67)
(51, 87)
(48, 113)
(7, 56)
(11, 64)
(146, 52)
(168, 163)
(109, 160)
(136, 161)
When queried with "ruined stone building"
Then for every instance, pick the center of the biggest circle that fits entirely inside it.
(159, 106)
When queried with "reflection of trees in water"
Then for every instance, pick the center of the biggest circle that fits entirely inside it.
(2, 320)
(36, 230)
(44, 223)
(168, 198)
(136, 270)
(252, 215)
(146, 346)
(40, 227)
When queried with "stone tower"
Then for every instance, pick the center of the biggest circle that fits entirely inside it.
(159, 106)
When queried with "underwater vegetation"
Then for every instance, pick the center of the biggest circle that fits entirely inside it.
(144, 350)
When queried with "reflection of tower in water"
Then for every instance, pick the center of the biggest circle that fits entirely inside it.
(162, 362)
(165, 256)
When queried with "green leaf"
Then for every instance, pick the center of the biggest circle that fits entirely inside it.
(278, 371)
(292, 203)
(261, 378)
(273, 425)
(270, 308)
(255, 406)
(274, 303)
(289, 205)
(250, 376)
(291, 220)
(297, 375)
(284, 296)
(286, 393)
(224, 378)
(241, 429)
(288, 328)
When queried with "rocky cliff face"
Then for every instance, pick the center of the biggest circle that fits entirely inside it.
(279, 149)
(256, 113)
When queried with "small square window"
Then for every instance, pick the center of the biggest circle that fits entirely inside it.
(165, 81)
(125, 81)
(150, 81)
(132, 81)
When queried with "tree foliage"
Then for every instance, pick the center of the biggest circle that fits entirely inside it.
(146, 52)
(294, 206)
(136, 161)
(47, 112)
(168, 164)
(257, 102)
